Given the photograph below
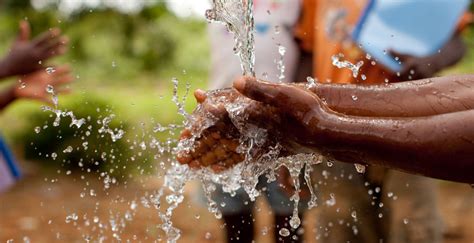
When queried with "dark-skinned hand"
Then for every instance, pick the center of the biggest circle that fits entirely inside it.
(26, 56)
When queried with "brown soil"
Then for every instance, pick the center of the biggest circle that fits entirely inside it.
(38, 206)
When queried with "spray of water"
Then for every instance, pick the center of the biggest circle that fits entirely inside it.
(336, 61)
(237, 16)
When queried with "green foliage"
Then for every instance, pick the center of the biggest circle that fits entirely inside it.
(149, 42)
(92, 151)
(129, 59)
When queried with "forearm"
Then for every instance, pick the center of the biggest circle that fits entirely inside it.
(409, 99)
(7, 97)
(439, 146)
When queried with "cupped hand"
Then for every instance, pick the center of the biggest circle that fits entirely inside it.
(301, 109)
(34, 85)
(26, 56)
(216, 146)
(286, 112)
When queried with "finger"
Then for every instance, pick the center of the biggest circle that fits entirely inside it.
(289, 98)
(60, 70)
(185, 134)
(200, 95)
(46, 37)
(184, 158)
(25, 31)
(54, 52)
(195, 164)
(55, 45)
(217, 168)
(63, 91)
(217, 110)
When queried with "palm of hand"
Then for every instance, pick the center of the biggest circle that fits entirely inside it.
(34, 85)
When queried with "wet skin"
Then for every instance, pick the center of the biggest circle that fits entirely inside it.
(422, 127)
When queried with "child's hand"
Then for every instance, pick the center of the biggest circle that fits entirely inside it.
(26, 56)
(216, 147)
(33, 86)
(300, 107)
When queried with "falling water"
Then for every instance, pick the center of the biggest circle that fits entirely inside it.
(237, 16)
(262, 155)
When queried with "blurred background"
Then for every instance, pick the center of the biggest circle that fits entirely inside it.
(124, 55)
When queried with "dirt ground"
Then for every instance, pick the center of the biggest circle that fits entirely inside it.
(69, 208)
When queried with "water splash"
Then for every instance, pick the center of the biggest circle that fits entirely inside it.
(237, 16)
(59, 113)
(280, 63)
(336, 61)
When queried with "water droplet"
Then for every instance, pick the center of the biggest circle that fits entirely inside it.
(208, 235)
(284, 232)
(295, 221)
(50, 70)
(405, 221)
(69, 149)
(360, 168)
(332, 201)
(72, 217)
(37, 129)
(277, 29)
(355, 98)
(311, 82)
(50, 89)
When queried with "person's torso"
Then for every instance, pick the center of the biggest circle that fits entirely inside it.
(331, 28)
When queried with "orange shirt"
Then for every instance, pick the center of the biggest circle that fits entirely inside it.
(325, 29)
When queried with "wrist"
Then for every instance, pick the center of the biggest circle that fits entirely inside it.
(4, 69)
(7, 97)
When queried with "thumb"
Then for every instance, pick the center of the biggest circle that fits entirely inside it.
(292, 99)
(25, 31)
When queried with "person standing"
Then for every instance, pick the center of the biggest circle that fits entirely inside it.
(276, 53)
(365, 209)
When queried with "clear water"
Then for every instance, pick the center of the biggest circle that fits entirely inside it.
(261, 159)
(339, 63)
(237, 16)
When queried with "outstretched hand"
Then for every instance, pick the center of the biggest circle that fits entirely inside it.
(34, 85)
(287, 112)
(26, 56)
(301, 107)
(217, 145)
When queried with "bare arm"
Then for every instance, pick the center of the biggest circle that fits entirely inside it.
(407, 99)
(440, 146)
(6, 97)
